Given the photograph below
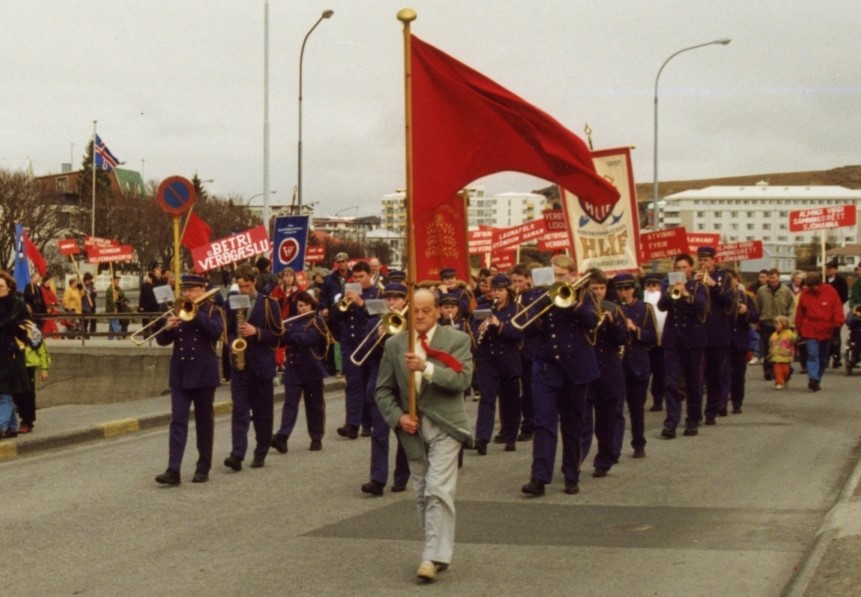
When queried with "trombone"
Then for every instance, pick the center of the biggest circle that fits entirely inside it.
(185, 309)
(561, 294)
(391, 323)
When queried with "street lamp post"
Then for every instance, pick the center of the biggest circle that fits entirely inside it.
(721, 42)
(248, 203)
(327, 14)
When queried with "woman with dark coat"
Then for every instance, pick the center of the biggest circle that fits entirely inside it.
(13, 370)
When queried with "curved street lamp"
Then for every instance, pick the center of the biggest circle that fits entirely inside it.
(327, 14)
(248, 203)
(721, 42)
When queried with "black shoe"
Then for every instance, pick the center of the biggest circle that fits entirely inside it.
(316, 445)
(481, 447)
(524, 437)
(348, 431)
(257, 462)
(639, 452)
(498, 439)
(571, 488)
(398, 487)
(668, 433)
(656, 408)
(836, 364)
(374, 488)
(709, 421)
(598, 473)
(233, 462)
(279, 442)
(814, 385)
(510, 447)
(804, 370)
(200, 477)
(768, 376)
(692, 430)
(366, 432)
(168, 477)
(722, 412)
(535, 488)
(736, 410)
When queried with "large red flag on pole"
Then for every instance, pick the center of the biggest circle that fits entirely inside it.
(465, 126)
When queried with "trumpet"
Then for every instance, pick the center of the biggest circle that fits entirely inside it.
(391, 323)
(344, 304)
(183, 308)
(675, 293)
(561, 294)
(706, 278)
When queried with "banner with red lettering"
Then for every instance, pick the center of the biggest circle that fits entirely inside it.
(602, 238)
(662, 244)
(232, 249)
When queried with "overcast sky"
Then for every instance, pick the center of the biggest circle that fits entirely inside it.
(177, 86)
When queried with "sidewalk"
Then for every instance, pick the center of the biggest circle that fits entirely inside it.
(68, 425)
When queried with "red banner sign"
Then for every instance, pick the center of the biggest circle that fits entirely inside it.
(504, 259)
(663, 243)
(111, 253)
(739, 251)
(702, 239)
(480, 241)
(95, 241)
(554, 220)
(554, 241)
(68, 246)
(315, 254)
(839, 216)
(517, 235)
(231, 249)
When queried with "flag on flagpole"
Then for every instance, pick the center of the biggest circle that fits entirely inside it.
(197, 232)
(32, 252)
(21, 270)
(103, 156)
(465, 126)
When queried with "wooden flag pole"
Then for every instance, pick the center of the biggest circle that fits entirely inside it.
(406, 16)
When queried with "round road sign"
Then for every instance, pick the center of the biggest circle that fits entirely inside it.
(175, 195)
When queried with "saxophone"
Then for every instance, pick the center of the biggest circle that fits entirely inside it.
(238, 346)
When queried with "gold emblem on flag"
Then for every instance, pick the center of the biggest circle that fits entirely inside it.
(440, 236)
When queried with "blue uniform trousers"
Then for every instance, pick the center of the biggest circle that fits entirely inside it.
(527, 410)
(315, 408)
(556, 408)
(252, 401)
(603, 399)
(656, 364)
(635, 397)
(380, 435)
(718, 376)
(490, 385)
(738, 367)
(180, 403)
(684, 363)
(354, 394)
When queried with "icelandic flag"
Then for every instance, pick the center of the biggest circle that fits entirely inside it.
(21, 271)
(104, 158)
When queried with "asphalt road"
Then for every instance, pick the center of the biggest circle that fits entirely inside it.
(730, 512)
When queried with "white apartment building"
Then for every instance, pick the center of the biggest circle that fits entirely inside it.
(505, 209)
(759, 212)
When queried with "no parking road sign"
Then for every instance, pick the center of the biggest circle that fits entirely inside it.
(175, 195)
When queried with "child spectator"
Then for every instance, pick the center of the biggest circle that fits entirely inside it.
(782, 351)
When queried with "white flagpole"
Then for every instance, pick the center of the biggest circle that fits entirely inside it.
(93, 214)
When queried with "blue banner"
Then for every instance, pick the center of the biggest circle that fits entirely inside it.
(289, 240)
(21, 271)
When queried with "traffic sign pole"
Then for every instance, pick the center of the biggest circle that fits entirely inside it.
(175, 196)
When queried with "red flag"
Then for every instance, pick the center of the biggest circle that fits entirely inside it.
(466, 126)
(197, 232)
(32, 252)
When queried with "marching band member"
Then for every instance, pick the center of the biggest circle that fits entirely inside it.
(607, 393)
(349, 318)
(251, 387)
(498, 368)
(642, 337)
(651, 295)
(450, 286)
(684, 341)
(396, 299)
(563, 368)
(745, 314)
(718, 326)
(193, 379)
(307, 340)
(521, 281)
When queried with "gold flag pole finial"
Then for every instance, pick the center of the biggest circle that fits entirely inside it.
(407, 15)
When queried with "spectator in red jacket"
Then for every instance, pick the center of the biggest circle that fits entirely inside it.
(819, 311)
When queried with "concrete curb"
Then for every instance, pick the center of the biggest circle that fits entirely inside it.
(29, 444)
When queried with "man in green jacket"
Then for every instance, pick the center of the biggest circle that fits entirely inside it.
(442, 366)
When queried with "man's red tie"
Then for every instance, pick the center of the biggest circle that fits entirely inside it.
(440, 355)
